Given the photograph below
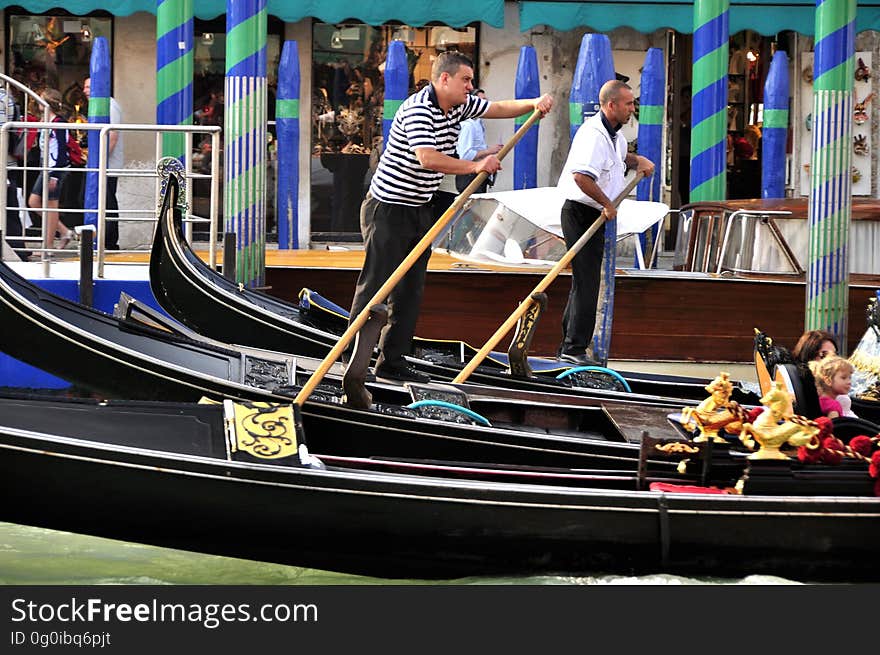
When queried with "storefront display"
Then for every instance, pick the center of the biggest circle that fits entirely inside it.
(347, 109)
(53, 51)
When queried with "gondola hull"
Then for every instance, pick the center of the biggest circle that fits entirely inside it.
(145, 485)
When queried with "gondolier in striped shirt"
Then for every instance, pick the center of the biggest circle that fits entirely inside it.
(396, 214)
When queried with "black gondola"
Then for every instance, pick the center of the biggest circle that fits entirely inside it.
(116, 358)
(177, 474)
(218, 308)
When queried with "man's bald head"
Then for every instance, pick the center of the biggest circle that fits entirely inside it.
(611, 91)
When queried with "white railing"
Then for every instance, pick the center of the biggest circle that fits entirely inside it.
(149, 214)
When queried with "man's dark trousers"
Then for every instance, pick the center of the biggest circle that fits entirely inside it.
(390, 233)
(579, 318)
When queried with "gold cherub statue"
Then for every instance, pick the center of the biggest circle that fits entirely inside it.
(714, 413)
(776, 426)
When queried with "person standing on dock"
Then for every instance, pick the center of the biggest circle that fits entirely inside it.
(592, 177)
(396, 214)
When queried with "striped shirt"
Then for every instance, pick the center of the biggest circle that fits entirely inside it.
(419, 123)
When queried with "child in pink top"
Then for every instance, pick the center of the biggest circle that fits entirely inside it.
(833, 382)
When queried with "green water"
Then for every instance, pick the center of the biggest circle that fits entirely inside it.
(31, 555)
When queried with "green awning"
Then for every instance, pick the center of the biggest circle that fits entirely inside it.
(455, 13)
(763, 16)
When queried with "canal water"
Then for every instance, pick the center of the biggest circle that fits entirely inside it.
(36, 556)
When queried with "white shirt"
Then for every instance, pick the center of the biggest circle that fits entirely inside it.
(593, 152)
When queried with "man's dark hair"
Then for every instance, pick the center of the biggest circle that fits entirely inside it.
(449, 62)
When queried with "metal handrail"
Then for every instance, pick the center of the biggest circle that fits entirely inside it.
(103, 139)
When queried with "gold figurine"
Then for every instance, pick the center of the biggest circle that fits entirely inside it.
(715, 413)
(777, 426)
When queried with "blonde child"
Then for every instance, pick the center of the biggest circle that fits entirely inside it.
(833, 382)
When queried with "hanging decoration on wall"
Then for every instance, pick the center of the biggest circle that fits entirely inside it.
(860, 110)
(860, 145)
(807, 74)
(863, 73)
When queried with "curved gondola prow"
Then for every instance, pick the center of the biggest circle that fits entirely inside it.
(207, 302)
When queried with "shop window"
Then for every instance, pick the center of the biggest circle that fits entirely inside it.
(347, 101)
(53, 51)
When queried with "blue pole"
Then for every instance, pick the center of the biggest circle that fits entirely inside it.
(287, 131)
(775, 131)
(595, 66)
(652, 101)
(99, 112)
(525, 153)
(396, 85)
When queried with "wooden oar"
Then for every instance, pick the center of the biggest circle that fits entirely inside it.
(508, 325)
(386, 289)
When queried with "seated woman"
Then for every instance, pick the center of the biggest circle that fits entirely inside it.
(813, 346)
(833, 377)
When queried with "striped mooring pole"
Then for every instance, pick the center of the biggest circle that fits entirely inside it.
(595, 66)
(709, 103)
(525, 153)
(244, 197)
(174, 71)
(830, 206)
(287, 134)
(774, 133)
(396, 85)
(652, 101)
(99, 112)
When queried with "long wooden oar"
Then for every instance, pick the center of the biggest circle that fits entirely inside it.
(386, 289)
(523, 307)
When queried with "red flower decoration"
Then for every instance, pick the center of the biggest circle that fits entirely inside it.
(825, 426)
(831, 447)
(754, 413)
(809, 455)
(874, 468)
(862, 445)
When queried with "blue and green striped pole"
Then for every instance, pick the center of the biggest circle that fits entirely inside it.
(525, 153)
(830, 208)
(244, 206)
(709, 104)
(652, 101)
(174, 71)
(396, 85)
(99, 112)
(595, 66)
(774, 134)
(287, 132)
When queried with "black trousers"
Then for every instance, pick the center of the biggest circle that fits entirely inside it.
(579, 318)
(13, 221)
(111, 235)
(390, 233)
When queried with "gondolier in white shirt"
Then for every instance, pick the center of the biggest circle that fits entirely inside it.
(592, 177)
(396, 214)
